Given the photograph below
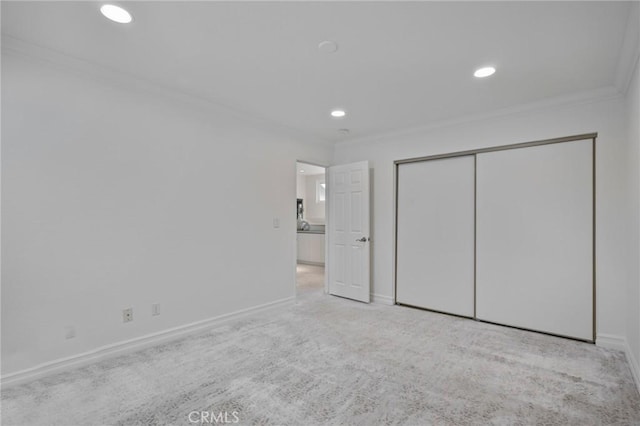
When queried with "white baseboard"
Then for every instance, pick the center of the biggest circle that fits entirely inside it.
(383, 300)
(620, 343)
(610, 341)
(309, 262)
(132, 345)
(633, 364)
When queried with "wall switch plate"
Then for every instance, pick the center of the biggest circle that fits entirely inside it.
(276, 222)
(155, 309)
(69, 332)
(127, 315)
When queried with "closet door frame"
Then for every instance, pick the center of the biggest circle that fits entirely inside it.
(474, 152)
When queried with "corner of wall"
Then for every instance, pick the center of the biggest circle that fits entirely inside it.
(630, 50)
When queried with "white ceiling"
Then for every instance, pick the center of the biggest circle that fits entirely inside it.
(309, 169)
(399, 64)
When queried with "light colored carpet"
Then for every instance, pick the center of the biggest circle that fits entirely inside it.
(332, 361)
(309, 278)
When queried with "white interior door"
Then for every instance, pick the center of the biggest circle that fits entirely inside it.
(348, 267)
(435, 235)
(535, 238)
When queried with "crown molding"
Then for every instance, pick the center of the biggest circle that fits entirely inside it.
(629, 59)
(132, 83)
(586, 97)
(630, 51)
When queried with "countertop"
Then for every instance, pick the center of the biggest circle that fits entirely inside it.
(310, 232)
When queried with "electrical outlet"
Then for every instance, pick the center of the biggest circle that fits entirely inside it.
(69, 332)
(127, 315)
(276, 222)
(155, 309)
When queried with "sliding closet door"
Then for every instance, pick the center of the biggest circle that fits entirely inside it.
(535, 238)
(435, 232)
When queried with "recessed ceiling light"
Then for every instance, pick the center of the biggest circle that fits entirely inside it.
(484, 72)
(116, 13)
(338, 113)
(328, 46)
(301, 171)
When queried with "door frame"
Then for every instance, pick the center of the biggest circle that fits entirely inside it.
(326, 225)
(396, 165)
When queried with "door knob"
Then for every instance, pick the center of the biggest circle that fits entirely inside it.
(362, 240)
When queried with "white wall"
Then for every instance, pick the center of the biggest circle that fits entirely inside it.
(313, 210)
(633, 158)
(115, 198)
(301, 186)
(607, 117)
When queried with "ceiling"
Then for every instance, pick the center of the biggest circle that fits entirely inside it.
(398, 64)
(305, 169)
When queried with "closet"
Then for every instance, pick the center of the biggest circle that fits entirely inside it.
(503, 235)
(435, 241)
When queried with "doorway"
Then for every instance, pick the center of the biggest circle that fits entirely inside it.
(310, 229)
